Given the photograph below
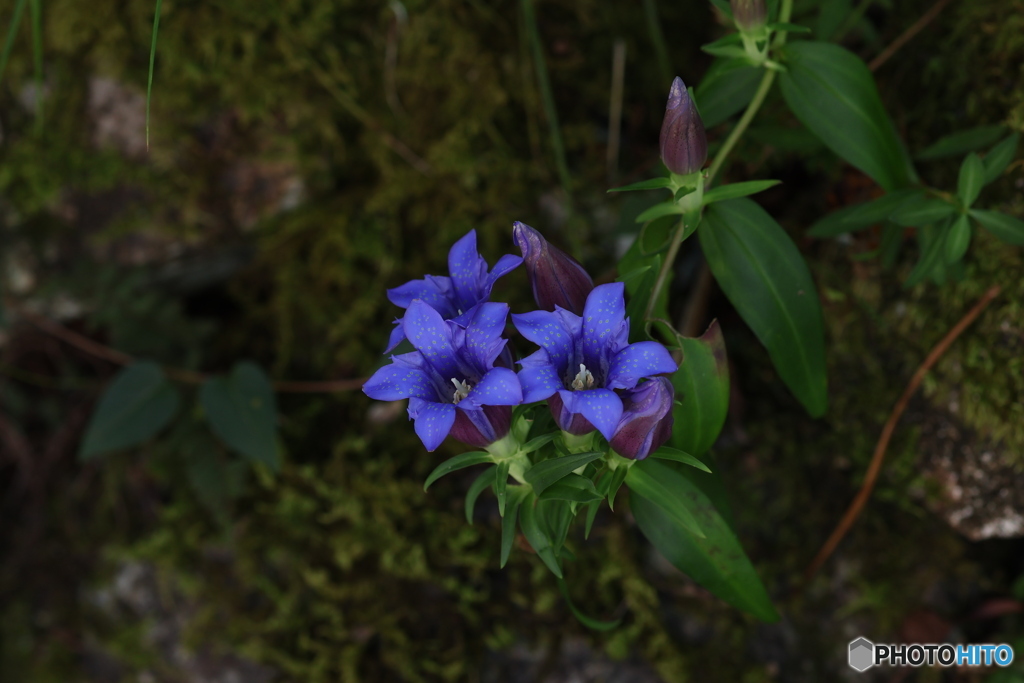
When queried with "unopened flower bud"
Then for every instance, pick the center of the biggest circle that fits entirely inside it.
(684, 145)
(557, 278)
(749, 15)
(646, 421)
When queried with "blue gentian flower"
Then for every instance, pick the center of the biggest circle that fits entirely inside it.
(453, 297)
(646, 422)
(583, 360)
(450, 379)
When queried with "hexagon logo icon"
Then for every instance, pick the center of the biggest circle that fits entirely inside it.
(862, 654)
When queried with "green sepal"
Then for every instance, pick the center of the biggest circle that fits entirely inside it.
(618, 476)
(457, 463)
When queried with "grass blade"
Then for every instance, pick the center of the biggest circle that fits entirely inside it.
(152, 61)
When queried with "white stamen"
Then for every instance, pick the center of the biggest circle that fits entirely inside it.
(584, 379)
(461, 390)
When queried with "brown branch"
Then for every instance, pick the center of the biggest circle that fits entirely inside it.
(883, 442)
(907, 35)
(93, 348)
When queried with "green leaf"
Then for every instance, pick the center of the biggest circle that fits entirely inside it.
(645, 479)
(702, 389)
(573, 488)
(652, 184)
(538, 443)
(137, 404)
(1006, 228)
(537, 536)
(831, 16)
(727, 87)
(717, 560)
(723, 7)
(457, 463)
(962, 142)
(832, 92)
(922, 211)
(727, 51)
(999, 157)
(481, 483)
(958, 239)
(615, 480)
(546, 473)
(581, 617)
(932, 245)
(667, 453)
(242, 412)
(860, 216)
(152, 63)
(639, 289)
(723, 192)
(763, 275)
(501, 484)
(972, 177)
(508, 522)
(790, 28)
(669, 208)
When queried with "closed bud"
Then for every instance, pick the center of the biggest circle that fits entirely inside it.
(557, 278)
(684, 145)
(646, 422)
(749, 15)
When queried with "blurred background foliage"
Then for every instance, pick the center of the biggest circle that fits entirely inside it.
(304, 156)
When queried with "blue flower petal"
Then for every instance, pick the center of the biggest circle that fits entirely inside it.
(636, 361)
(434, 290)
(483, 335)
(397, 336)
(602, 407)
(433, 421)
(505, 265)
(548, 330)
(431, 336)
(401, 379)
(468, 271)
(499, 387)
(603, 317)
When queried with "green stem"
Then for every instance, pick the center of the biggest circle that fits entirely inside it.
(658, 38)
(152, 62)
(548, 99)
(723, 152)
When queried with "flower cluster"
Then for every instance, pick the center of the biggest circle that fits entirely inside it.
(460, 380)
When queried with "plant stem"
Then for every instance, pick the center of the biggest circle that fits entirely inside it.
(658, 39)
(741, 126)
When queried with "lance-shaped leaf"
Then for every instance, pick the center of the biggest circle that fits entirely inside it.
(651, 184)
(537, 535)
(932, 243)
(485, 479)
(727, 87)
(833, 93)
(457, 463)
(242, 412)
(137, 404)
(644, 479)
(1006, 228)
(702, 390)
(723, 192)
(958, 239)
(546, 473)
(999, 157)
(972, 177)
(574, 488)
(589, 622)
(508, 523)
(717, 560)
(922, 210)
(962, 141)
(668, 453)
(860, 216)
(760, 270)
(659, 210)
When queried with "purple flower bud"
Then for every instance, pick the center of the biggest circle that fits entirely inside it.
(749, 15)
(557, 278)
(646, 421)
(684, 146)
